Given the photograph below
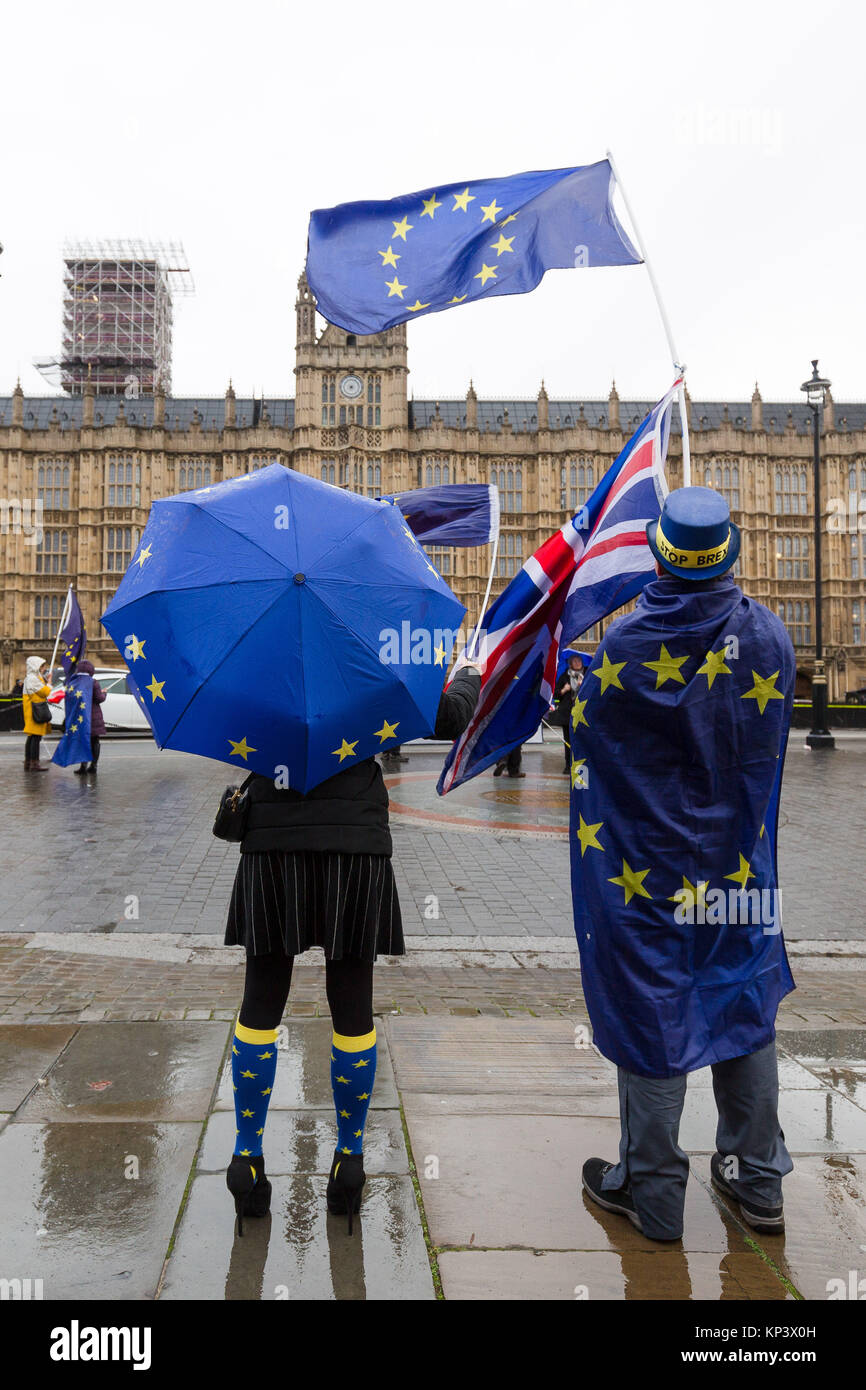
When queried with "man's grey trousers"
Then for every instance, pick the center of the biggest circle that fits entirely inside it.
(748, 1136)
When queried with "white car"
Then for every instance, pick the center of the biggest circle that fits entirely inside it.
(120, 709)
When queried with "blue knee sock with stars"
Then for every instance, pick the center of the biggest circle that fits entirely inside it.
(254, 1066)
(353, 1071)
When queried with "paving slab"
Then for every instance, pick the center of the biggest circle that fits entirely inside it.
(131, 1071)
(27, 1051)
(635, 1275)
(304, 1140)
(299, 1252)
(492, 1055)
(813, 1121)
(303, 1080)
(823, 1249)
(74, 1214)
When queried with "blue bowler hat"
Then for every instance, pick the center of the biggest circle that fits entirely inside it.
(694, 538)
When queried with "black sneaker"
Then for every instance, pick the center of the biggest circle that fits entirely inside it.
(618, 1199)
(769, 1221)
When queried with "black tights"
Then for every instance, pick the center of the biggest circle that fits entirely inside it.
(31, 748)
(348, 984)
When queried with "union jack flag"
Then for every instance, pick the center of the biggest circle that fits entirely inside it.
(595, 563)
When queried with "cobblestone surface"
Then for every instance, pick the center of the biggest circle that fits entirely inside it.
(134, 849)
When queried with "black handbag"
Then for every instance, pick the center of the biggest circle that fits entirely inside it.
(230, 822)
(40, 712)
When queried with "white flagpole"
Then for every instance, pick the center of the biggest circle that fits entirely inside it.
(67, 609)
(495, 515)
(681, 394)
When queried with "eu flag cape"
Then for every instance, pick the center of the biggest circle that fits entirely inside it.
(678, 743)
(74, 746)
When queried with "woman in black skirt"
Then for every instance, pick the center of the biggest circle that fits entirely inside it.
(315, 870)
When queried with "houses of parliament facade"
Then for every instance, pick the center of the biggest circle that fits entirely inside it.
(95, 463)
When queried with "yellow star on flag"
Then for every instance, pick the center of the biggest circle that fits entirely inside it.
(394, 287)
(240, 749)
(387, 731)
(145, 555)
(413, 308)
(743, 873)
(462, 200)
(155, 689)
(491, 211)
(667, 668)
(713, 666)
(402, 227)
(763, 690)
(503, 244)
(389, 257)
(345, 750)
(430, 206)
(631, 881)
(690, 895)
(587, 836)
(512, 218)
(609, 673)
(487, 272)
(577, 714)
(439, 655)
(577, 766)
(458, 299)
(136, 647)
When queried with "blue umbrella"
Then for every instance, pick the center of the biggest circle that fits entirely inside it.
(284, 626)
(566, 652)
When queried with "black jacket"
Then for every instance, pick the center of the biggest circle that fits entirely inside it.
(349, 812)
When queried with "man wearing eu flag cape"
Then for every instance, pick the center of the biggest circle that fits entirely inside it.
(678, 743)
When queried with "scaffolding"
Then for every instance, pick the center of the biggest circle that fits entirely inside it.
(117, 317)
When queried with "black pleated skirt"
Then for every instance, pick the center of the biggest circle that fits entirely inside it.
(291, 900)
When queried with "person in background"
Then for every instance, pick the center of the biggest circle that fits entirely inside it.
(35, 691)
(511, 763)
(566, 694)
(97, 722)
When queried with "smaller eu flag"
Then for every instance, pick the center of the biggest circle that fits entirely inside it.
(375, 264)
(73, 638)
(74, 747)
(453, 514)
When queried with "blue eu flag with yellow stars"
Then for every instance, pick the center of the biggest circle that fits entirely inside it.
(678, 743)
(74, 746)
(374, 264)
(73, 638)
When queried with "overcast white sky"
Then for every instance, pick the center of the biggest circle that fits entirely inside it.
(738, 128)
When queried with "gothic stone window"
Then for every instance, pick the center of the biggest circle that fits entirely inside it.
(52, 481)
(329, 395)
(724, 476)
(436, 471)
(857, 555)
(52, 551)
(797, 618)
(791, 497)
(856, 629)
(443, 558)
(510, 557)
(329, 471)
(263, 461)
(792, 557)
(509, 480)
(46, 616)
(124, 481)
(576, 483)
(120, 543)
(374, 478)
(374, 400)
(193, 473)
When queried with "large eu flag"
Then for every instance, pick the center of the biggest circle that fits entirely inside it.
(678, 743)
(374, 264)
(74, 746)
(451, 514)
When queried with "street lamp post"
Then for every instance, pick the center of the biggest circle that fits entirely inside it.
(819, 735)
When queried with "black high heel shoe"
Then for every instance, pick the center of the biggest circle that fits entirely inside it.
(246, 1181)
(345, 1182)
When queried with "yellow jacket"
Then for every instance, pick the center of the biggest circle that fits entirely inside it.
(30, 725)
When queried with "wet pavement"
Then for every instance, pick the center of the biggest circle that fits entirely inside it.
(114, 1139)
(132, 850)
